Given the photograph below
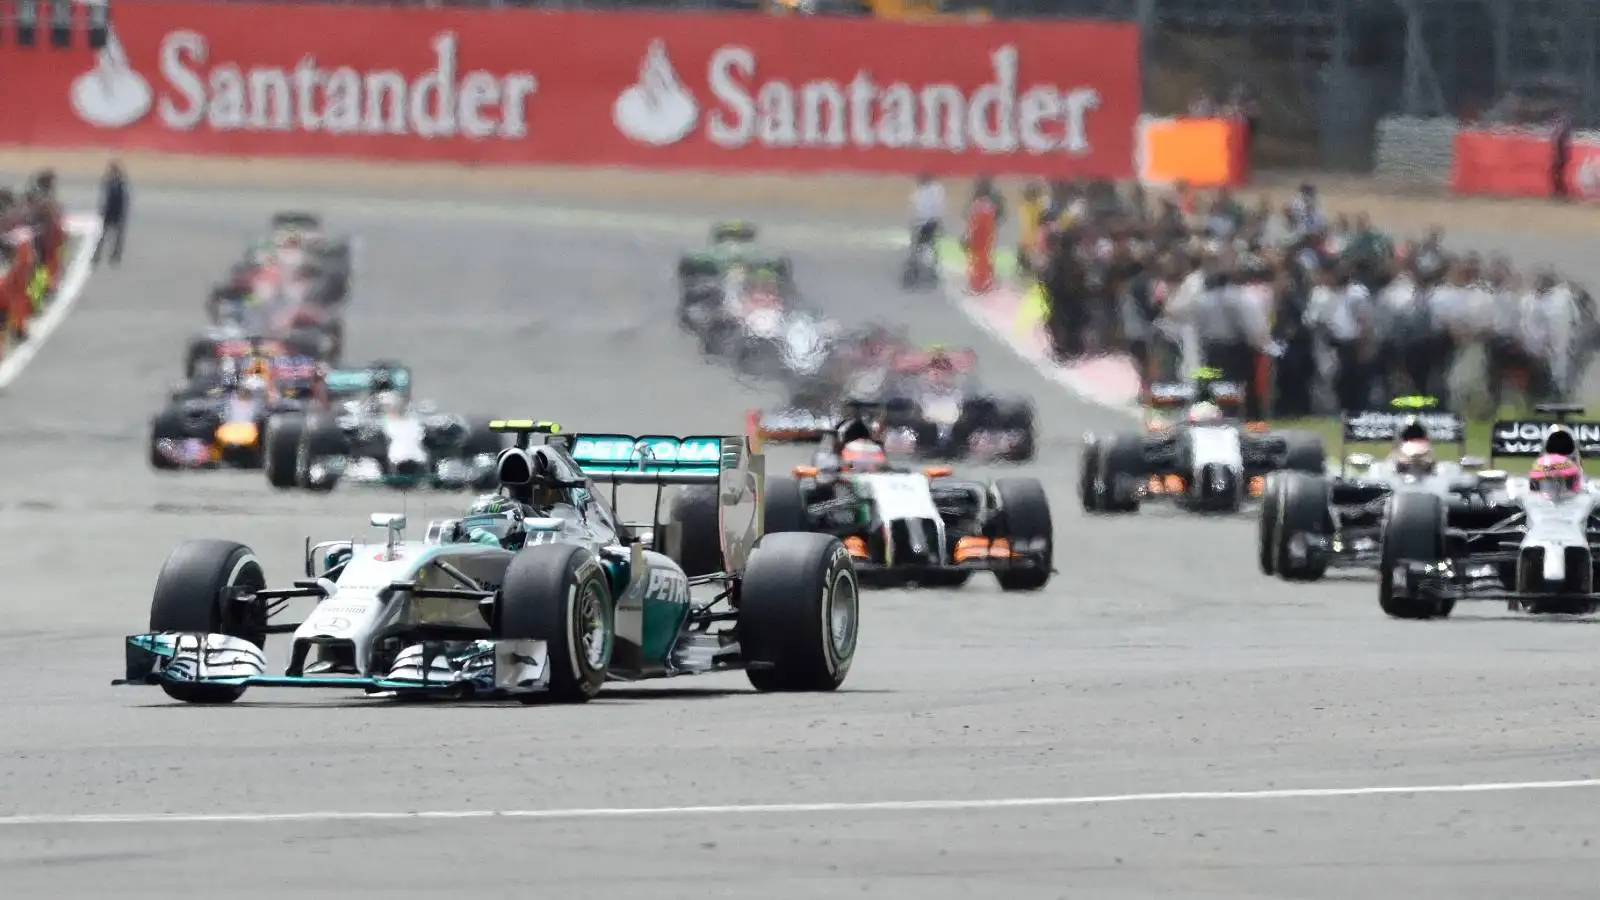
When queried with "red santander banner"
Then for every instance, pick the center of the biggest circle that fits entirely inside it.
(641, 90)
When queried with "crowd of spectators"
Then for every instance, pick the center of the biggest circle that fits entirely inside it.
(1317, 313)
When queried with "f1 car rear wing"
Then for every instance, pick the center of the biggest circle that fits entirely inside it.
(733, 232)
(792, 426)
(1176, 393)
(1387, 426)
(733, 463)
(1444, 427)
(296, 221)
(343, 383)
(962, 360)
(1527, 438)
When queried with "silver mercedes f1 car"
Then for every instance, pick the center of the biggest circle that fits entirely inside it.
(540, 592)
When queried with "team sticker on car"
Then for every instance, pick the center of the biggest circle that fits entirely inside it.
(667, 586)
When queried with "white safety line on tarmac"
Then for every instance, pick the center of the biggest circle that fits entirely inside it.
(73, 281)
(906, 806)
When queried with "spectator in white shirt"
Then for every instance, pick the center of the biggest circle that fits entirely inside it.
(1342, 309)
(927, 212)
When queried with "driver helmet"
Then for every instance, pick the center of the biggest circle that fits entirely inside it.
(862, 456)
(256, 366)
(1203, 412)
(390, 403)
(1414, 457)
(764, 286)
(252, 385)
(1556, 474)
(492, 516)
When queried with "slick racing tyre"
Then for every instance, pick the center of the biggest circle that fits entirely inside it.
(1414, 530)
(785, 507)
(168, 425)
(1024, 520)
(320, 439)
(282, 450)
(1267, 526)
(1304, 452)
(1121, 468)
(698, 516)
(558, 593)
(199, 357)
(1088, 476)
(1302, 510)
(799, 610)
(191, 595)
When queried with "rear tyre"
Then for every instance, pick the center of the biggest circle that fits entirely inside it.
(1414, 530)
(1305, 452)
(785, 507)
(168, 425)
(190, 596)
(1088, 476)
(799, 610)
(1267, 526)
(697, 514)
(1302, 509)
(282, 456)
(201, 353)
(321, 438)
(1024, 520)
(1121, 466)
(558, 593)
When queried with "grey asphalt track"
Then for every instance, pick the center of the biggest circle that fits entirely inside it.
(1159, 660)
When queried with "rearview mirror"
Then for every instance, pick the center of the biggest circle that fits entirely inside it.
(1359, 460)
(1473, 463)
(1492, 475)
(391, 521)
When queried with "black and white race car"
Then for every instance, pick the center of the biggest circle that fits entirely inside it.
(1529, 543)
(1310, 523)
(1204, 460)
(921, 526)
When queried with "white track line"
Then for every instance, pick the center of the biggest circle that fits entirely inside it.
(905, 806)
(87, 230)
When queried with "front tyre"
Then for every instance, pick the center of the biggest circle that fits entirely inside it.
(1413, 532)
(799, 609)
(191, 596)
(1024, 520)
(1267, 526)
(558, 593)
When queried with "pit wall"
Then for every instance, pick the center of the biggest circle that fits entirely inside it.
(1058, 99)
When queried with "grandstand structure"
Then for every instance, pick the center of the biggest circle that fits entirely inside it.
(1325, 71)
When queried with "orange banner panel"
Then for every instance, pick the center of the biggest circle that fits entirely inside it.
(1201, 152)
(1503, 163)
